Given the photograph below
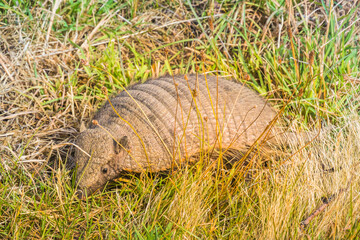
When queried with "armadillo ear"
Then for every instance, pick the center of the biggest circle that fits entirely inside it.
(121, 144)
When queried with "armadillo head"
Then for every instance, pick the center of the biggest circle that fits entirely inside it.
(98, 157)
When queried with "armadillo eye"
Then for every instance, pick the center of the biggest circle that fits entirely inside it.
(104, 170)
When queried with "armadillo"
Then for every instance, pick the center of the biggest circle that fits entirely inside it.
(154, 126)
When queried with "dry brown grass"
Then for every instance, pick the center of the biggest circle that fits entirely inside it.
(48, 89)
(39, 89)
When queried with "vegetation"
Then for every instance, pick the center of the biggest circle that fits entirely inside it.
(303, 56)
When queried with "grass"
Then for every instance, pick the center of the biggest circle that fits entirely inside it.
(301, 53)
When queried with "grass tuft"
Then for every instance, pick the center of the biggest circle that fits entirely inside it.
(55, 58)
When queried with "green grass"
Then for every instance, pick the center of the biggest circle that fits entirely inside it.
(312, 72)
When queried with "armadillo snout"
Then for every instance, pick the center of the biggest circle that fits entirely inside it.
(80, 194)
(83, 193)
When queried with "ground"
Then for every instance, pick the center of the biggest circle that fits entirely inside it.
(303, 56)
